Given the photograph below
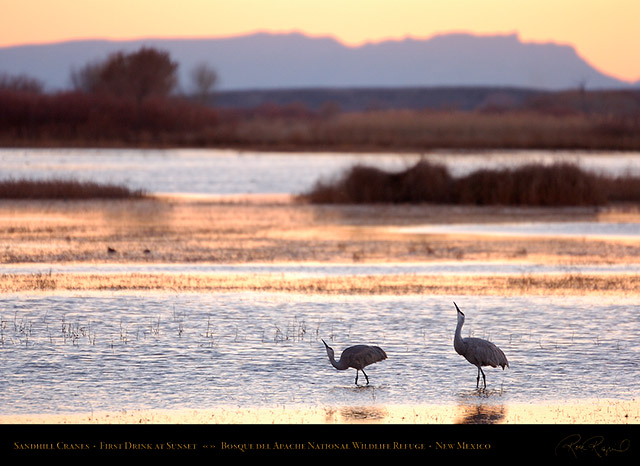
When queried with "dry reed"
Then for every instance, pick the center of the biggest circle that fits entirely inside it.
(561, 184)
(496, 285)
(76, 119)
(64, 189)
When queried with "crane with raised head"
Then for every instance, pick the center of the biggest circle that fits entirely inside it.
(477, 351)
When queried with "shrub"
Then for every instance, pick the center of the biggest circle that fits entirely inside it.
(424, 182)
(74, 118)
(561, 184)
(533, 184)
(63, 189)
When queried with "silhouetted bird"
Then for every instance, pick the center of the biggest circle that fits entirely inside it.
(357, 357)
(477, 351)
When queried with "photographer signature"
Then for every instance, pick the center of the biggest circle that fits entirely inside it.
(576, 445)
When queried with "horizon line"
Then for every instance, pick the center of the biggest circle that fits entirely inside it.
(348, 44)
(285, 32)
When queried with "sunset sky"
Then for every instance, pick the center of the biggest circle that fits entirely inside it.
(604, 32)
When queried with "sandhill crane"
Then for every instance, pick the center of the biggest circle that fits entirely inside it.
(357, 357)
(477, 351)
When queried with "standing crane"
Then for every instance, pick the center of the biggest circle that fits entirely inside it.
(357, 357)
(477, 351)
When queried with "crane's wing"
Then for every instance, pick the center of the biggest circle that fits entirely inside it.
(484, 353)
(364, 354)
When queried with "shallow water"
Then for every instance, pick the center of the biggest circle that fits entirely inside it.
(68, 353)
(618, 230)
(194, 171)
(311, 269)
(103, 351)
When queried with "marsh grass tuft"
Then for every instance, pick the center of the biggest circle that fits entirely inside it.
(560, 184)
(424, 182)
(561, 284)
(64, 189)
(44, 281)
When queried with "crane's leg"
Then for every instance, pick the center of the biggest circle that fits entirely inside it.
(478, 378)
(356, 376)
(365, 376)
(484, 379)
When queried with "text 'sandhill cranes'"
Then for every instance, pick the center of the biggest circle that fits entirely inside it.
(356, 357)
(477, 351)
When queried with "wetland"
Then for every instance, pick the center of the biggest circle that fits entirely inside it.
(207, 301)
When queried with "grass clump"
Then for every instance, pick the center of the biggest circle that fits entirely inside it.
(64, 189)
(424, 182)
(560, 184)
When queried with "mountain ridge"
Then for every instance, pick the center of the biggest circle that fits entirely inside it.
(265, 60)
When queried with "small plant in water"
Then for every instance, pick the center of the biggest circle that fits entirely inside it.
(155, 327)
(44, 281)
(279, 336)
(124, 333)
(209, 334)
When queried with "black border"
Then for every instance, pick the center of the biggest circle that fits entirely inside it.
(401, 441)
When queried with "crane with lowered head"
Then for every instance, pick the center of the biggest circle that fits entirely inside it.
(356, 357)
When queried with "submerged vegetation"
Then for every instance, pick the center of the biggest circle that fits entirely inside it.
(569, 284)
(561, 184)
(64, 189)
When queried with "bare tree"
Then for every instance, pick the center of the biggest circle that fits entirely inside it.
(86, 79)
(204, 78)
(139, 75)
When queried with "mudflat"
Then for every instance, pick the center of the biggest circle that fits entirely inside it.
(276, 229)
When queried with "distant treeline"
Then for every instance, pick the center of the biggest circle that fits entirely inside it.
(561, 184)
(92, 120)
(130, 100)
(375, 99)
(77, 119)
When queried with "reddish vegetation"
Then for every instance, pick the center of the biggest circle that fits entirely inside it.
(530, 185)
(98, 119)
(126, 100)
(63, 189)
(78, 119)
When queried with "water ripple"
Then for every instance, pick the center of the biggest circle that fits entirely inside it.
(207, 350)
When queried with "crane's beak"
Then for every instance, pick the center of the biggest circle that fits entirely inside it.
(325, 344)
(458, 309)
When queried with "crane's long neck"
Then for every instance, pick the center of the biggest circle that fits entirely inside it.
(337, 364)
(340, 365)
(458, 342)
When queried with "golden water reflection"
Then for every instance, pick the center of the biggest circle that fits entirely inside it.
(465, 412)
(461, 414)
(480, 414)
(349, 414)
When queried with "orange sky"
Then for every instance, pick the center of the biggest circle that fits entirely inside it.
(604, 32)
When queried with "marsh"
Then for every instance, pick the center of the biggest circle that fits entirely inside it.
(209, 304)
